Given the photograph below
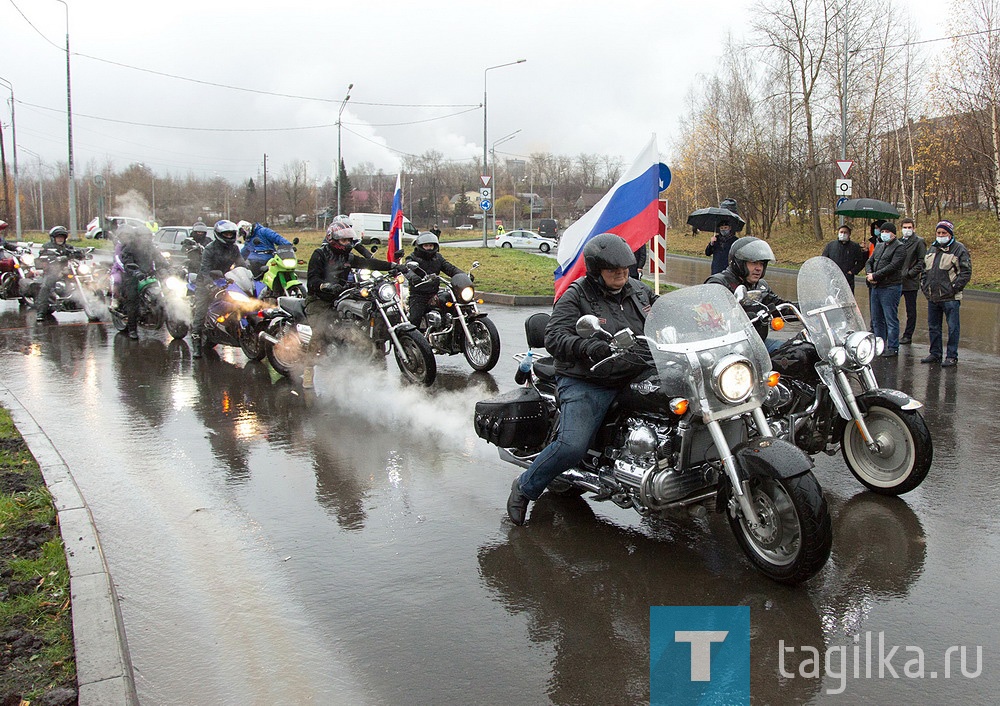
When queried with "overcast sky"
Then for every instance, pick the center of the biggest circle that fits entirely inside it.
(599, 77)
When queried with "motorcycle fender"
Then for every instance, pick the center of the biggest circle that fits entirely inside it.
(894, 398)
(771, 457)
(403, 327)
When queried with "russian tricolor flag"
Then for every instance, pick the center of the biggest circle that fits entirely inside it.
(396, 229)
(630, 210)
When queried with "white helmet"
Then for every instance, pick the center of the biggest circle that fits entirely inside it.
(245, 228)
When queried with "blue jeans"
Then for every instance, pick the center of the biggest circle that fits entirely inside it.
(885, 314)
(582, 406)
(949, 310)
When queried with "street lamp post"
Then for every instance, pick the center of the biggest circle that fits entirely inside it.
(485, 142)
(69, 131)
(843, 101)
(340, 159)
(17, 182)
(493, 173)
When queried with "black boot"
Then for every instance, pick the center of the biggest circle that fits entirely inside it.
(196, 345)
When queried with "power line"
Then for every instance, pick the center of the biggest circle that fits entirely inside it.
(34, 27)
(928, 41)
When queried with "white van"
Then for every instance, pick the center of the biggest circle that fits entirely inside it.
(374, 228)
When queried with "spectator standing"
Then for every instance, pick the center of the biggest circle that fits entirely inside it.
(849, 256)
(635, 271)
(718, 247)
(913, 265)
(947, 270)
(885, 276)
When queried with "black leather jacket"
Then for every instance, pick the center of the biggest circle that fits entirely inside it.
(886, 263)
(220, 256)
(140, 252)
(728, 278)
(330, 265)
(433, 265)
(626, 309)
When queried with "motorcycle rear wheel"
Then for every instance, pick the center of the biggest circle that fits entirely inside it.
(416, 360)
(796, 534)
(287, 352)
(484, 352)
(905, 454)
(177, 329)
(118, 319)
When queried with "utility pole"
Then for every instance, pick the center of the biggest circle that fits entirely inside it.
(265, 188)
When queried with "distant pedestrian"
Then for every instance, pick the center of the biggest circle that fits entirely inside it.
(947, 270)
(885, 276)
(635, 271)
(718, 247)
(849, 256)
(913, 265)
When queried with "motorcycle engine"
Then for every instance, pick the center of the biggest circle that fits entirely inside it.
(651, 446)
(435, 320)
(60, 288)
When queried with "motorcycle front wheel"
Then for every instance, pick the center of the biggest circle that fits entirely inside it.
(904, 451)
(416, 360)
(483, 351)
(287, 352)
(118, 319)
(795, 535)
(251, 344)
(177, 329)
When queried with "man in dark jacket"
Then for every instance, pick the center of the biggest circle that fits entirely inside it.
(885, 277)
(326, 279)
(584, 394)
(913, 265)
(221, 255)
(139, 259)
(428, 258)
(947, 270)
(49, 256)
(849, 256)
(718, 247)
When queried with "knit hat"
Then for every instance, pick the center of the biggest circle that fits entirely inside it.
(888, 227)
(947, 225)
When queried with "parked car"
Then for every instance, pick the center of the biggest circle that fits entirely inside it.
(467, 226)
(112, 224)
(374, 228)
(526, 240)
(169, 238)
(548, 228)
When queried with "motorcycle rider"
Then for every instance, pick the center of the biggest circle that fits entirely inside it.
(326, 278)
(426, 253)
(194, 246)
(221, 255)
(56, 247)
(259, 242)
(139, 259)
(585, 395)
(748, 260)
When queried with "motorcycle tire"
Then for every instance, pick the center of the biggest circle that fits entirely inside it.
(796, 534)
(485, 352)
(297, 291)
(177, 329)
(416, 360)
(153, 320)
(905, 454)
(288, 353)
(251, 344)
(118, 320)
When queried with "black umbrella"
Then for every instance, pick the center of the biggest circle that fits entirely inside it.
(708, 219)
(866, 208)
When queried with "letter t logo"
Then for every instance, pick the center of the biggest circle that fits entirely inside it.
(701, 650)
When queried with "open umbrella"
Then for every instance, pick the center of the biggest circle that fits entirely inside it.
(866, 208)
(708, 219)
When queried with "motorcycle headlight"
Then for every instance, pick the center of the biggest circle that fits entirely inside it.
(386, 292)
(175, 284)
(860, 347)
(838, 356)
(83, 269)
(468, 293)
(28, 260)
(733, 378)
(289, 262)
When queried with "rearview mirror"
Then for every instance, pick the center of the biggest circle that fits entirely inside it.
(588, 325)
(295, 241)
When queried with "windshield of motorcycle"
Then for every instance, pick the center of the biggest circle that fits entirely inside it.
(701, 338)
(242, 278)
(829, 309)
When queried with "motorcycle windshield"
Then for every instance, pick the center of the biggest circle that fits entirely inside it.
(827, 303)
(242, 278)
(701, 335)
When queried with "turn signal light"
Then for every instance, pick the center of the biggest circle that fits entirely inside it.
(679, 406)
(479, 301)
(772, 378)
(449, 304)
(364, 293)
(777, 323)
(220, 319)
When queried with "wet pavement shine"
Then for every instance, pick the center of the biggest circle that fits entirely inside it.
(351, 546)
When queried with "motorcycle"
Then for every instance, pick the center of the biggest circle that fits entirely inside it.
(279, 276)
(828, 398)
(16, 272)
(676, 439)
(75, 290)
(454, 324)
(162, 300)
(234, 317)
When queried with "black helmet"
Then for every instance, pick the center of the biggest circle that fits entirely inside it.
(59, 231)
(226, 231)
(749, 249)
(730, 205)
(199, 232)
(426, 239)
(606, 251)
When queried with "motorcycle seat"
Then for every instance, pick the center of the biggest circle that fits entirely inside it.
(296, 306)
(545, 369)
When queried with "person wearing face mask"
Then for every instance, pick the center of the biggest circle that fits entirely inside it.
(947, 270)
(718, 247)
(873, 237)
(913, 265)
(885, 277)
(849, 256)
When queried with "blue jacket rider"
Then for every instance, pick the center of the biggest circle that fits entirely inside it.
(259, 242)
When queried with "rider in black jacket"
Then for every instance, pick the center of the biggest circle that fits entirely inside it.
(326, 278)
(50, 253)
(139, 259)
(220, 255)
(585, 395)
(428, 258)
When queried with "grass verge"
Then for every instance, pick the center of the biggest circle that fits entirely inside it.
(36, 628)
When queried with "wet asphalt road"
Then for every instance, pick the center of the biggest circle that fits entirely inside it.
(352, 546)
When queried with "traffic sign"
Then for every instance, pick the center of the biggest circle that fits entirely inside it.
(844, 165)
(486, 193)
(485, 179)
(486, 204)
(841, 200)
(844, 187)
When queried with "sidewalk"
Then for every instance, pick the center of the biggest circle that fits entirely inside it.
(103, 667)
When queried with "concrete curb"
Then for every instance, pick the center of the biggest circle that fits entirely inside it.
(103, 666)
